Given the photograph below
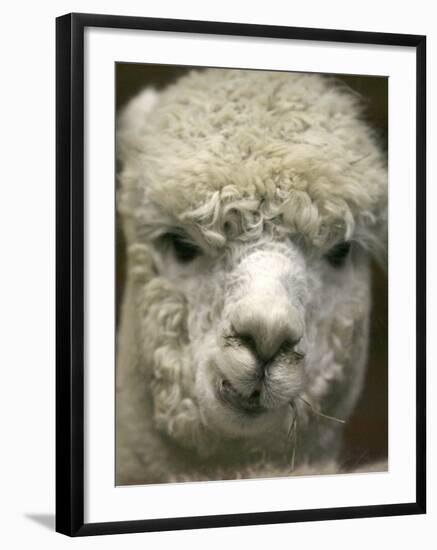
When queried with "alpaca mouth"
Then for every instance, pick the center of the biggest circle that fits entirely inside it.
(249, 405)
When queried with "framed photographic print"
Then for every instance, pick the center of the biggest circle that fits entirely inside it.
(240, 274)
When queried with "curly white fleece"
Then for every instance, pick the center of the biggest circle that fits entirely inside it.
(238, 159)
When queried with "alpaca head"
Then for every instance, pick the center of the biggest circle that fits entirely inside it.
(251, 202)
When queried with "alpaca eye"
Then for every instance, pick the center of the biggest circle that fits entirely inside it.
(338, 254)
(184, 250)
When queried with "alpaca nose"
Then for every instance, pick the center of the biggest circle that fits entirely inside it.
(266, 327)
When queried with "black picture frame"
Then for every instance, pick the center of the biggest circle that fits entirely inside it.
(70, 273)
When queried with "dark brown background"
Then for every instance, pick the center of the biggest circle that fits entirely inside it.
(367, 431)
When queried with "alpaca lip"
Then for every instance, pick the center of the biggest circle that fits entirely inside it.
(229, 395)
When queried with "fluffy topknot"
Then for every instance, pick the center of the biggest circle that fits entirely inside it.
(237, 146)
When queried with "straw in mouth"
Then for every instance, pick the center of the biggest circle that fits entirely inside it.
(292, 432)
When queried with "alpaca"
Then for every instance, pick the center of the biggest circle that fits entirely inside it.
(251, 204)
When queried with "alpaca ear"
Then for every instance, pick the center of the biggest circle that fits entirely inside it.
(131, 122)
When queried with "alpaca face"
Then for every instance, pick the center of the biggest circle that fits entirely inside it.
(250, 202)
(260, 315)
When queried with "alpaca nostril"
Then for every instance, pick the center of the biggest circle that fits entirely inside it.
(246, 340)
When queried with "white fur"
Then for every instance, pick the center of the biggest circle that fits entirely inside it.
(264, 172)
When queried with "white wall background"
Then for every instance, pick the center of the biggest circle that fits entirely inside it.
(27, 214)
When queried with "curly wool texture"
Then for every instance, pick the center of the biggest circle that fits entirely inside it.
(160, 305)
(233, 156)
(265, 145)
